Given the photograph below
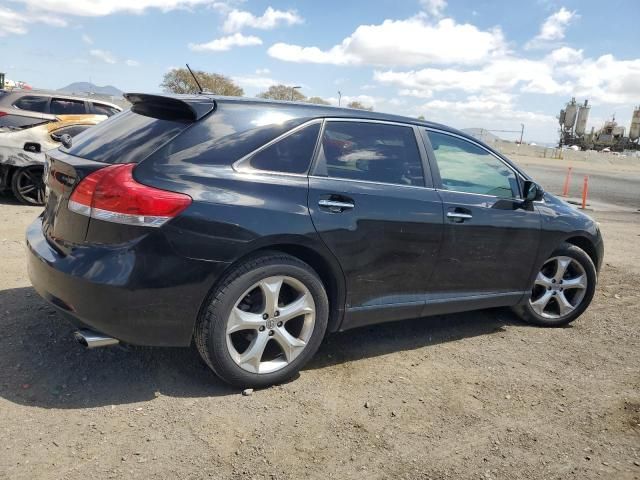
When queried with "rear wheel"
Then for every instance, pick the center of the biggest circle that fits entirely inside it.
(28, 186)
(264, 322)
(562, 290)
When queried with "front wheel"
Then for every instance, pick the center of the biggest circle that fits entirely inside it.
(562, 290)
(264, 321)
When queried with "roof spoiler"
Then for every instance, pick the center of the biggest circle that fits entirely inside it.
(167, 107)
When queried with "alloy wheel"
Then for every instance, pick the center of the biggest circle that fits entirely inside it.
(271, 324)
(559, 288)
(28, 185)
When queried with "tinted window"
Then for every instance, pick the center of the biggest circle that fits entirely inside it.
(60, 106)
(291, 154)
(465, 167)
(371, 151)
(72, 130)
(98, 109)
(33, 104)
(125, 138)
(234, 130)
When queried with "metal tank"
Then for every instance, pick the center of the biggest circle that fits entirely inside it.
(570, 113)
(634, 131)
(583, 116)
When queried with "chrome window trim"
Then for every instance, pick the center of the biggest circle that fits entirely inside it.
(242, 165)
(371, 182)
(473, 142)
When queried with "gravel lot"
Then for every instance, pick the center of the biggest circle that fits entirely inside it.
(477, 395)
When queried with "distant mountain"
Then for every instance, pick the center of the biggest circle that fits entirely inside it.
(482, 134)
(86, 87)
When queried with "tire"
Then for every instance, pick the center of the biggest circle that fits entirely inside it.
(239, 305)
(558, 289)
(27, 185)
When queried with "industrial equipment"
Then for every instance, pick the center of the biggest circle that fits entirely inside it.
(573, 127)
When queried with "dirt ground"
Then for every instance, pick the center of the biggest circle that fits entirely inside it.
(477, 395)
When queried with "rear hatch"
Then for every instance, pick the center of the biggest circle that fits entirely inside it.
(126, 138)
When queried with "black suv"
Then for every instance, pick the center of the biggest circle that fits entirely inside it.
(252, 228)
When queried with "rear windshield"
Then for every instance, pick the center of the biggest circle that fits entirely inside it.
(124, 138)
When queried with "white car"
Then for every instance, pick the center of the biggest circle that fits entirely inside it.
(22, 152)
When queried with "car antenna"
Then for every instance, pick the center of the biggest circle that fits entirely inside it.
(195, 78)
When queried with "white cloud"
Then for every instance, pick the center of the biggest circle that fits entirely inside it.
(394, 43)
(255, 81)
(605, 79)
(295, 53)
(11, 23)
(498, 75)
(15, 23)
(98, 8)
(434, 7)
(552, 29)
(132, 63)
(226, 43)
(103, 55)
(495, 110)
(87, 39)
(271, 18)
(366, 100)
(262, 71)
(565, 55)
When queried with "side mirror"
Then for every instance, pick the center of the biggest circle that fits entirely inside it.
(66, 140)
(532, 192)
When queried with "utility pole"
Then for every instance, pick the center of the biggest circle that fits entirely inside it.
(292, 89)
(521, 132)
(339, 97)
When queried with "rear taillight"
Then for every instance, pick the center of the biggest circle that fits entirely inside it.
(111, 194)
(2, 114)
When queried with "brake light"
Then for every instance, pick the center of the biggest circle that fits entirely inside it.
(111, 194)
(2, 114)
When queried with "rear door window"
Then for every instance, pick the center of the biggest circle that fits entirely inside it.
(371, 151)
(63, 106)
(32, 103)
(291, 154)
(125, 138)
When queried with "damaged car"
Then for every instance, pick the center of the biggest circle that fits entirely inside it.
(32, 123)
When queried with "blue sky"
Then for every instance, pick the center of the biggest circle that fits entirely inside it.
(491, 64)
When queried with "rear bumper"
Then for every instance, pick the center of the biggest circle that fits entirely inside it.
(141, 292)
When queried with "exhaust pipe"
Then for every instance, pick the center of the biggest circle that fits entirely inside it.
(91, 339)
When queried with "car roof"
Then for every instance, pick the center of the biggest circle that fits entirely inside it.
(10, 96)
(312, 110)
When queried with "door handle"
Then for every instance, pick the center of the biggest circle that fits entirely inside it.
(464, 216)
(458, 217)
(335, 206)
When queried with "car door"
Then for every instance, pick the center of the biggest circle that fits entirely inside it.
(490, 236)
(372, 202)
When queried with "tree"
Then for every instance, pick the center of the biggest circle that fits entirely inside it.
(317, 101)
(356, 104)
(179, 80)
(421, 117)
(282, 92)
